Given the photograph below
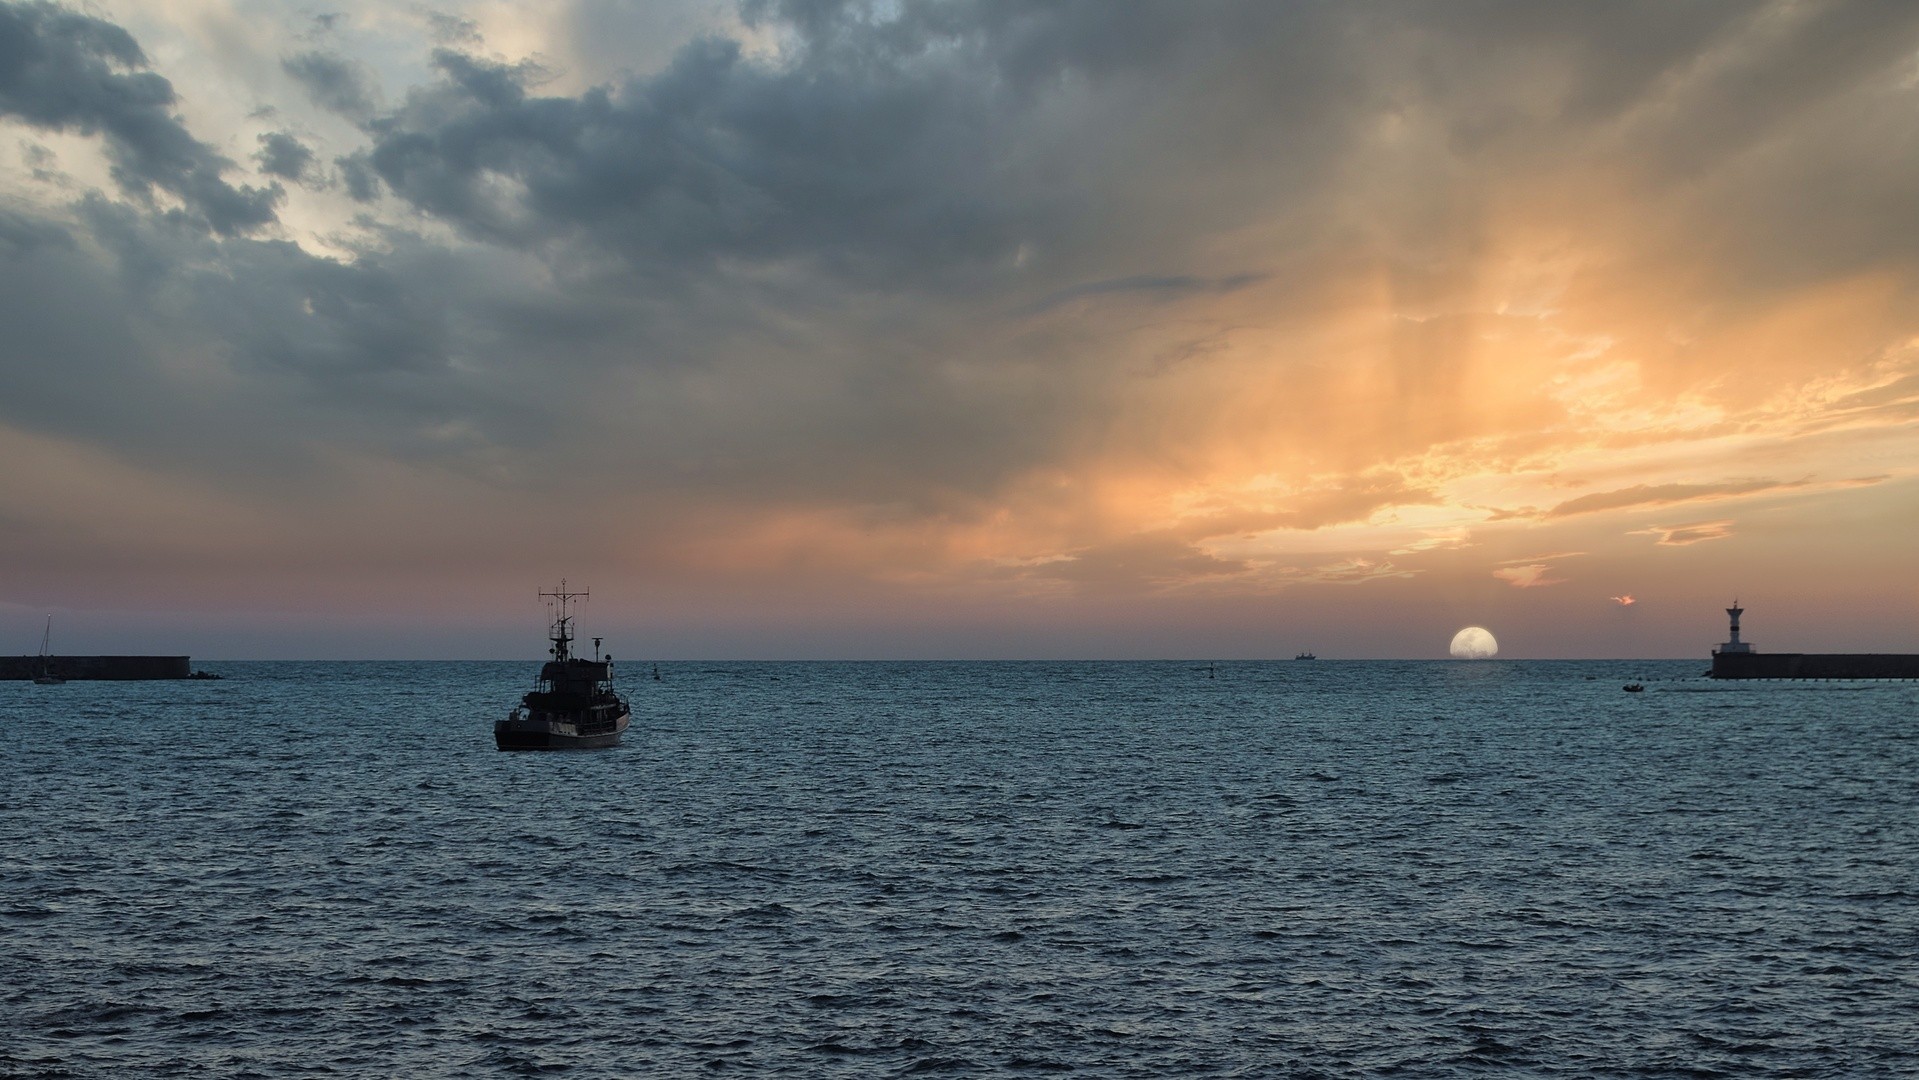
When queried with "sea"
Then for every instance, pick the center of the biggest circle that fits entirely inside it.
(1117, 869)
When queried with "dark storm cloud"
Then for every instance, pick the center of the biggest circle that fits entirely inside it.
(63, 71)
(941, 147)
(21, 235)
(345, 341)
(257, 365)
(362, 183)
(717, 157)
(334, 82)
(787, 274)
(1786, 62)
(74, 361)
(248, 359)
(452, 29)
(41, 162)
(324, 318)
(947, 144)
(283, 156)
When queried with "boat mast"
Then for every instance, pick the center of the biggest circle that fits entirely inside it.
(562, 630)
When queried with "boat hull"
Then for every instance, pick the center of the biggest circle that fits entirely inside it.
(527, 733)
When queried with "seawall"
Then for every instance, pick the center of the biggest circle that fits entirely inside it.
(1758, 665)
(97, 667)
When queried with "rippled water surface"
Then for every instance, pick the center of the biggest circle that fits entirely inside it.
(1326, 869)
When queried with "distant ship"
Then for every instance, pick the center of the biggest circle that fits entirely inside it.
(574, 707)
(1305, 656)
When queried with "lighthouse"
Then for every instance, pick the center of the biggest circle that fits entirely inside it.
(1734, 645)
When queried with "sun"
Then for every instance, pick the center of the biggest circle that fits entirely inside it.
(1475, 643)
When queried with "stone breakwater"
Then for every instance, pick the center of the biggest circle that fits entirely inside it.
(97, 667)
(1814, 666)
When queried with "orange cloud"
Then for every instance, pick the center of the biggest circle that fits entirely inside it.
(1533, 571)
(1530, 576)
(1138, 562)
(1249, 509)
(1665, 494)
(1543, 558)
(1353, 571)
(1697, 532)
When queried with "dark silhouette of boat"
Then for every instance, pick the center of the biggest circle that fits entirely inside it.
(574, 706)
(1634, 688)
(1305, 656)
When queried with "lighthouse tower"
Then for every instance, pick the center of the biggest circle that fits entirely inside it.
(1735, 645)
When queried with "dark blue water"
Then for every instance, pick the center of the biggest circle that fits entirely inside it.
(1331, 869)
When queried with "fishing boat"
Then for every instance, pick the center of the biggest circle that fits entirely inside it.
(43, 672)
(573, 707)
(1305, 656)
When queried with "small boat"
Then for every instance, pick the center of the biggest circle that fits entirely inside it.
(1634, 688)
(43, 673)
(574, 706)
(1305, 656)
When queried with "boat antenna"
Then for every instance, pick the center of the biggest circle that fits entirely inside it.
(561, 633)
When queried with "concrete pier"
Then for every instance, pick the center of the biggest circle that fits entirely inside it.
(1759, 665)
(97, 667)
(1737, 659)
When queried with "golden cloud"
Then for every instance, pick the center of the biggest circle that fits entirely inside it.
(1530, 576)
(1697, 532)
(1640, 495)
(1543, 558)
(1353, 571)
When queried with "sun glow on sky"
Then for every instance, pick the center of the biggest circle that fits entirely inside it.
(875, 333)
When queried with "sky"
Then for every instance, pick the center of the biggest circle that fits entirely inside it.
(977, 329)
